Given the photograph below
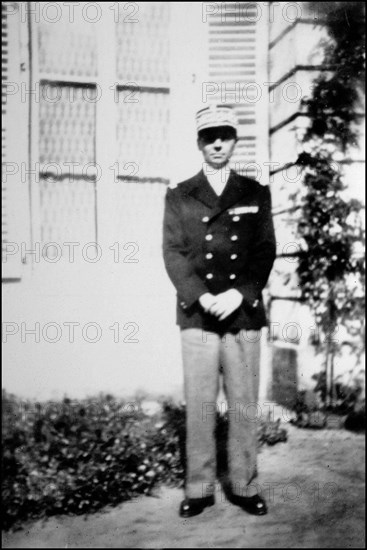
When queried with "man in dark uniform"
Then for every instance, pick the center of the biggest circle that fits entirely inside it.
(219, 248)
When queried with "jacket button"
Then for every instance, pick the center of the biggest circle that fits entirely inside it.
(209, 275)
(209, 256)
(209, 237)
(234, 256)
(236, 218)
(232, 276)
(205, 219)
(234, 238)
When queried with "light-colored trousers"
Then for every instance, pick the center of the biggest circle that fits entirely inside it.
(204, 353)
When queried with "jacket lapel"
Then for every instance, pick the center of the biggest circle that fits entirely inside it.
(235, 190)
(202, 191)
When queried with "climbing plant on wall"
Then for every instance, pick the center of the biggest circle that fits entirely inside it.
(331, 266)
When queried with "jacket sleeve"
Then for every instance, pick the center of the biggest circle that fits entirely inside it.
(262, 255)
(188, 284)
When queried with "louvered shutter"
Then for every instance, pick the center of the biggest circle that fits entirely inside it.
(15, 197)
(237, 75)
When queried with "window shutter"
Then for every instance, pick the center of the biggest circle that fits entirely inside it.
(143, 119)
(65, 65)
(14, 191)
(237, 74)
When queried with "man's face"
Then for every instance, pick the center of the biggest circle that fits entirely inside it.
(217, 145)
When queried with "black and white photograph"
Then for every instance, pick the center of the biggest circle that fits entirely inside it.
(183, 274)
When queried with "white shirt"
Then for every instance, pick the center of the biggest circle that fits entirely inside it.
(217, 177)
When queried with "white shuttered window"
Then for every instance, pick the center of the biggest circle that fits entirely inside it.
(237, 75)
(15, 189)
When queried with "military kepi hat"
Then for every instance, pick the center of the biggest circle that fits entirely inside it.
(215, 116)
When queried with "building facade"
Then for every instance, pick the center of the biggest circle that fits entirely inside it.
(98, 110)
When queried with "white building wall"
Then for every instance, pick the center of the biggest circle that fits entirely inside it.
(295, 59)
(105, 322)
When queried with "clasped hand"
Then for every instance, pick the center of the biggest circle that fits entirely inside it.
(223, 304)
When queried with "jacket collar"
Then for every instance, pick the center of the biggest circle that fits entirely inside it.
(235, 189)
(202, 191)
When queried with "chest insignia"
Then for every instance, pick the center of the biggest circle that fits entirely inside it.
(244, 210)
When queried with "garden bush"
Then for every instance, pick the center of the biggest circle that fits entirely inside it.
(78, 456)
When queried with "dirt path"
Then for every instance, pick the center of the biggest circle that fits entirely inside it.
(314, 486)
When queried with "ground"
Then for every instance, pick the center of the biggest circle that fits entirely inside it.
(313, 483)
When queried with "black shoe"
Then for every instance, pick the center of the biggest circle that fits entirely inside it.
(253, 505)
(194, 506)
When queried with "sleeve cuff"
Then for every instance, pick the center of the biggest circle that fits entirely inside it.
(191, 295)
(250, 295)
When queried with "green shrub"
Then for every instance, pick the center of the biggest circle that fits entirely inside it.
(78, 456)
(75, 457)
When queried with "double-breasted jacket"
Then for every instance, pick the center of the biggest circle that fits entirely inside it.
(212, 244)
